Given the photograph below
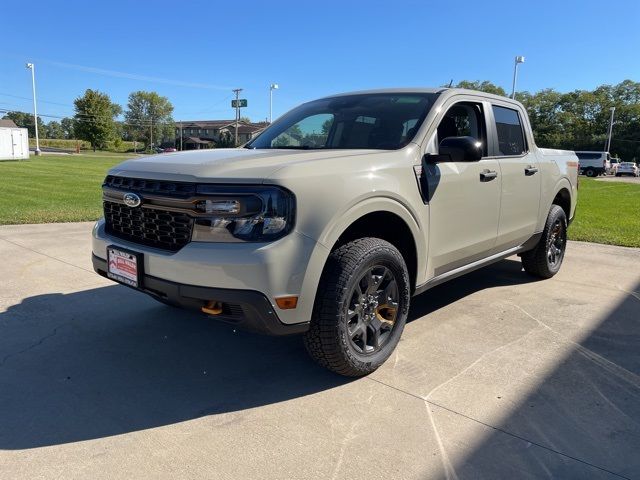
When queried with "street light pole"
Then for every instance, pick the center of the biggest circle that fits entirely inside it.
(272, 87)
(613, 110)
(32, 67)
(519, 59)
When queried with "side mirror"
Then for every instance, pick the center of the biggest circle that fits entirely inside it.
(461, 149)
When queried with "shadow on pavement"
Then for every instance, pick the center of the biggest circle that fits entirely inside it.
(110, 360)
(506, 272)
(587, 408)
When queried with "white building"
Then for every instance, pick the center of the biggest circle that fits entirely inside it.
(14, 141)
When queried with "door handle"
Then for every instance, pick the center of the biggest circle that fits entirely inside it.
(530, 170)
(488, 175)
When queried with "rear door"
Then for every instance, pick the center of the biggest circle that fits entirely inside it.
(520, 172)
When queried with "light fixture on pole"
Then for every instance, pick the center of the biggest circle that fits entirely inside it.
(272, 87)
(519, 59)
(613, 110)
(32, 67)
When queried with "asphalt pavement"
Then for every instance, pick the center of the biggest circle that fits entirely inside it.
(497, 375)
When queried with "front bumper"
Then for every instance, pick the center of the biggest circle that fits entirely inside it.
(200, 272)
(247, 309)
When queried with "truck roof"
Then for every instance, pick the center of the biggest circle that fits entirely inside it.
(447, 90)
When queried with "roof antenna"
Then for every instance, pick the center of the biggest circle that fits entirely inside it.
(450, 83)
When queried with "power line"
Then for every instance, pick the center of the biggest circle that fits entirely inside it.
(228, 97)
(132, 76)
(95, 120)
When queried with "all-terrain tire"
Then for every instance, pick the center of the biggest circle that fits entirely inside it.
(328, 340)
(545, 259)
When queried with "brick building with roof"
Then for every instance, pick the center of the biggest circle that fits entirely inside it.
(197, 134)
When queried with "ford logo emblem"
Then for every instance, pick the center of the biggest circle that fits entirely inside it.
(131, 200)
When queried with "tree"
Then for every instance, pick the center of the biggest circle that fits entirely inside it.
(25, 120)
(579, 120)
(95, 118)
(54, 130)
(484, 86)
(67, 126)
(148, 118)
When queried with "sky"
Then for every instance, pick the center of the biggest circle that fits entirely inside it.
(196, 52)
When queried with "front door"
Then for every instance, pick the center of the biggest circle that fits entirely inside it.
(464, 197)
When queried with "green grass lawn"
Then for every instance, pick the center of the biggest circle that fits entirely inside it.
(55, 188)
(608, 212)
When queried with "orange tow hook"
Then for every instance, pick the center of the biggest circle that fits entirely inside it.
(212, 307)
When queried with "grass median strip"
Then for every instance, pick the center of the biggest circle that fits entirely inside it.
(53, 188)
(61, 188)
(608, 212)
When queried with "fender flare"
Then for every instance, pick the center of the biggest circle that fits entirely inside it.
(562, 183)
(340, 222)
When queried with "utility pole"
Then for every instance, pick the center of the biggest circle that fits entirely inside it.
(613, 110)
(180, 136)
(32, 67)
(237, 92)
(519, 60)
(151, 136)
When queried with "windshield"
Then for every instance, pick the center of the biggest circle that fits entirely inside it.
(383, 121)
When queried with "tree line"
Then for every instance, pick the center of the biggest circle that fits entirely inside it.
(147, 119)
(577, 120)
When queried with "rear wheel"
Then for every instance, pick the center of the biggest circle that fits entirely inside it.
(361, 307)
(590, 172)
(546, 258)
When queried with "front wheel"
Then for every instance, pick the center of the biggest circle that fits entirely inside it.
(545, 259)
(361, 307)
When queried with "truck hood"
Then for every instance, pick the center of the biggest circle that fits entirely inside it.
(237, 165)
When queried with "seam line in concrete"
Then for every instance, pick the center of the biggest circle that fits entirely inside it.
(32, 346)
(498, 429)
(44, 254)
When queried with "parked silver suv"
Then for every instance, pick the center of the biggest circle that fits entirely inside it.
(337, 214)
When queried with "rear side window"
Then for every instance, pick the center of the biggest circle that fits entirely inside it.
(510, 133)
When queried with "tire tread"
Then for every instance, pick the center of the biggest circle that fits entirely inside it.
(535, 261)
(322, 340)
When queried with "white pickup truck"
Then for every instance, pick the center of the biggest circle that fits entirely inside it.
(337, 214)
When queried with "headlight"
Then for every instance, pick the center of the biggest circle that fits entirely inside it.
(243, 214)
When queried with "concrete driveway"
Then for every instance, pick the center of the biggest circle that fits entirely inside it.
(497, 376)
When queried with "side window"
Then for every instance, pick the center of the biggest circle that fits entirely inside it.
(464, 119)
(509, 130)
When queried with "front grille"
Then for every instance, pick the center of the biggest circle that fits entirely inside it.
(155, 187)
(155, 228)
